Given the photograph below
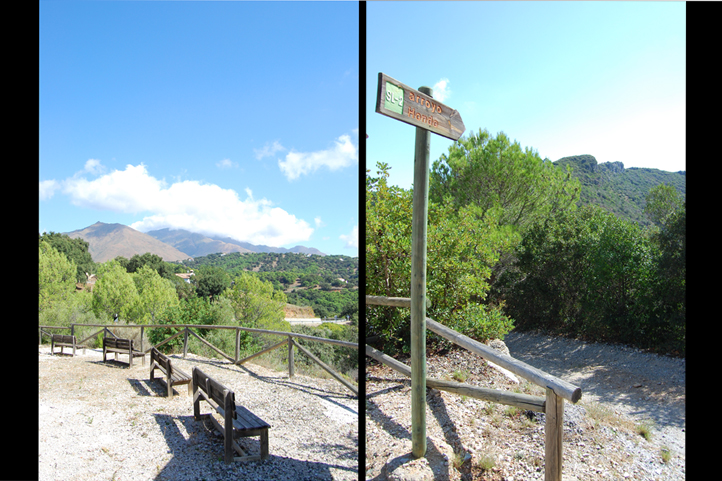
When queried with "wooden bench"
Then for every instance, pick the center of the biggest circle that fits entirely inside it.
(173, 375)
(63, 340)
(121, 346)
(237, 420)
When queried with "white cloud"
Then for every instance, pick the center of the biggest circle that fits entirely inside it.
(94, 166)
(48, 188)
(342, 154)
(351, 239)
(269, 150)
(441, 90)
(191, 205)
(319, 222)
(226, 164)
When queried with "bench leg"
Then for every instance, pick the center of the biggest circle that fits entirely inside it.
(196, 404)
(228, 447)
(264, 444)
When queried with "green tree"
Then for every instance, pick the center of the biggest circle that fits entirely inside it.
(211, 281)
(662, 202)
(151, 260)
(114, 291)
(668, 304)
(255, 303)
(75, 250)
(462, 247)
(495, 173)
(590, 273)
(56, 277)
(155, 295)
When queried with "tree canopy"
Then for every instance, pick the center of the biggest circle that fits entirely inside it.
(76, 250)
(497, 175)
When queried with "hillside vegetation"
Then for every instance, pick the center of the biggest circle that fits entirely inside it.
(618, 190)
(328, 284)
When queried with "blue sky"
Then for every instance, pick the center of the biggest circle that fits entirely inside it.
(236, 119)
(565, 78)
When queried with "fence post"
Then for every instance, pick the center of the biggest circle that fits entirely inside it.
(238, 345)
(290, 357)
(141, 339)
(554, 414)
(185, 342)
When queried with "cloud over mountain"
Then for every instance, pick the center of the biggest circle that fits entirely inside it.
(192, 205)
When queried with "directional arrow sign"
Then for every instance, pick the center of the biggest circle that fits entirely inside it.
(401, 102)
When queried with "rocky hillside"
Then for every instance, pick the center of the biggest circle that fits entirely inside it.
(202, 245)
(108, 241)
(619, 190)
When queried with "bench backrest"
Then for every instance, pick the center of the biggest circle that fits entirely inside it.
(214, 390)
(63, 338)
(117, 343)
(161, 359)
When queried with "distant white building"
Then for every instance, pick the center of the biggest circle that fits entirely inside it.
(187, 276)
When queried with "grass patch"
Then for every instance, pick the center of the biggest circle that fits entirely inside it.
(486, 462)
(645, 430)
(460, 376)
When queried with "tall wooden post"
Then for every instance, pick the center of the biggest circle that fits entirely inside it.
(418, 290)
(418, 108)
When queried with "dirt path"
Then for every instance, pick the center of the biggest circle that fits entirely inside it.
(644, 386)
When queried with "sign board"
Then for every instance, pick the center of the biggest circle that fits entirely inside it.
(403, 103)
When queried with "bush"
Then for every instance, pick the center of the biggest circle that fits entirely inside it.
(343, 359)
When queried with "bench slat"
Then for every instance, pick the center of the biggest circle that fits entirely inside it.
(248, 420)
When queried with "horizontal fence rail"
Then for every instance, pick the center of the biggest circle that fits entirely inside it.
(185, 330)
(557, 390)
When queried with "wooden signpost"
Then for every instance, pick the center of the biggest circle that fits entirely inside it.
(418, 108)
(415, 107)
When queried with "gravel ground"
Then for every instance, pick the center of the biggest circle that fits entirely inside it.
(472, 439)
(107, 421)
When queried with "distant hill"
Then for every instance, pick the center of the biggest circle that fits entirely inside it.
(619, 190)
(200, 245)
(196, 244)
(108, 241)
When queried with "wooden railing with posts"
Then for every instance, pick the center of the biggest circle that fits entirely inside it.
(557, 390)
(186, 330)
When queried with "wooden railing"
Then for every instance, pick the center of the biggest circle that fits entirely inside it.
(557, 390)
(186, 331)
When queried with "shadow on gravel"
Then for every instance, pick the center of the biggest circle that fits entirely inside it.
(203, 441)
(112, 363)
(154, 388)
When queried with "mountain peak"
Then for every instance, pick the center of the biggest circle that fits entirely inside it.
(108, 241)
